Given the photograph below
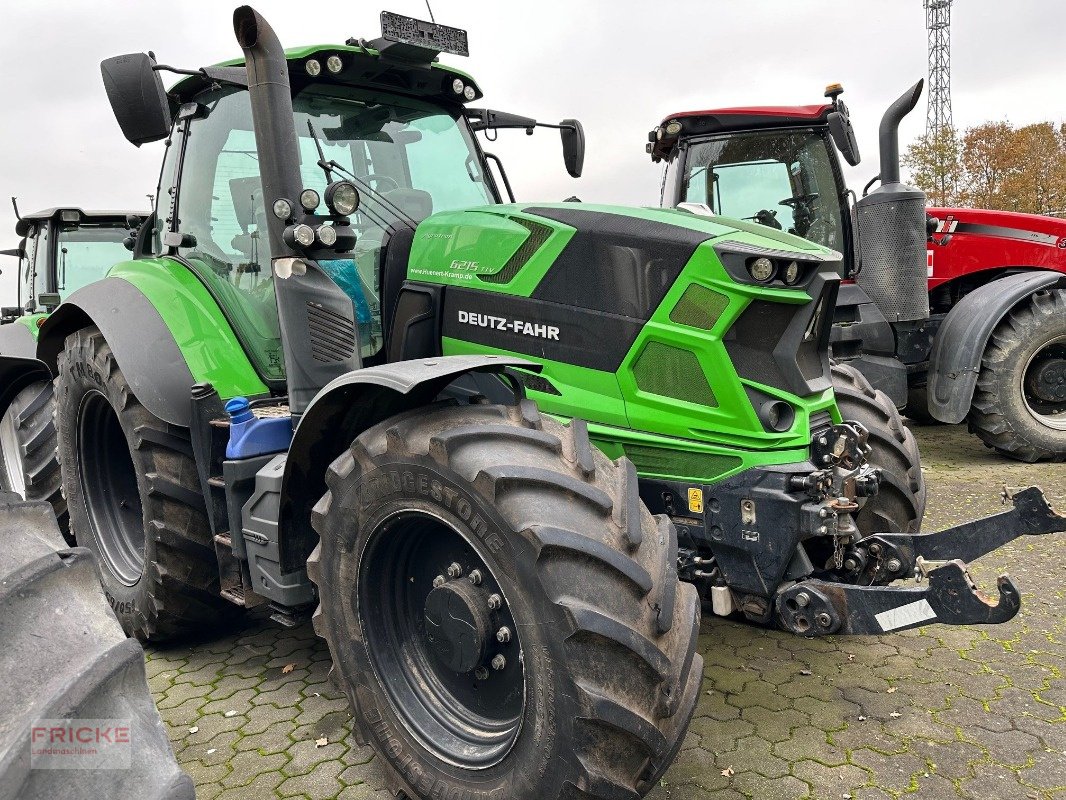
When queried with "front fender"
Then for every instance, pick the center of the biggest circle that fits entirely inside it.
(961, 340)
(342, 410)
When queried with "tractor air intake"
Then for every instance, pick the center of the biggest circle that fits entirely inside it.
(892, 237)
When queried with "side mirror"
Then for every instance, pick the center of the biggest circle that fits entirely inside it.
(573, 146)
(843, 134)
(16, 252)
(135, 91)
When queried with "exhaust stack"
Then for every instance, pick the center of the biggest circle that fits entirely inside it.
(892, 233)
(302, 290)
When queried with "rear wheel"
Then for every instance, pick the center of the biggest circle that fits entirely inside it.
(30, 466)
(134, 497)
(503, 612)
(899, 504)
(1019, 405)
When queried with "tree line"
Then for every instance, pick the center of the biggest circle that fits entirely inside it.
(994, 165)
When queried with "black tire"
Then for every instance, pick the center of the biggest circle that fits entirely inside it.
(607, 633)
(134, 498)
(1001, 414)
(65, 657)
(28, 428)
(899, 504)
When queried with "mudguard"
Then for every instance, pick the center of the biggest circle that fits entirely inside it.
(16, 339)
(342, 410)
(960, 343)
(144, 347)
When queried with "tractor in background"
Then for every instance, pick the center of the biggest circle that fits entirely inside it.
(60, 250)
(497, 453)
(956, 314)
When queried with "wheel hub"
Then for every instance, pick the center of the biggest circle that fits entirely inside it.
(1046, 380)
(458, 624)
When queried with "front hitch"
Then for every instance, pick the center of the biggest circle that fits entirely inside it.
(818, 608)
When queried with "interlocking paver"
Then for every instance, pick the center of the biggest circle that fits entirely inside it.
(969, 713)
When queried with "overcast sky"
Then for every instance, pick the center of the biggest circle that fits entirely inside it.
(618, 65)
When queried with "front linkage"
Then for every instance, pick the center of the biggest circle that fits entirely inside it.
(819, 607)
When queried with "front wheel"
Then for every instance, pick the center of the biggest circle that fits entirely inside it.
(504, 614)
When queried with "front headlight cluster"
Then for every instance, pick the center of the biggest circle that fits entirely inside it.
(765, 270)
(334, 64)
(342, 200)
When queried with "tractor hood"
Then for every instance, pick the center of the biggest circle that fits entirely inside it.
(687, 326)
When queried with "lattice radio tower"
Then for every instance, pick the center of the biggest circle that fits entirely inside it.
(938, 23)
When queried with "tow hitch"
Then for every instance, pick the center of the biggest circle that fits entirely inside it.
(818, 608)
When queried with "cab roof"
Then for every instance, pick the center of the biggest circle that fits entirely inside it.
(22, 227)
(663, 140)
(362, 66)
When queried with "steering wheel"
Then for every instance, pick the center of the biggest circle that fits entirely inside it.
(802, 199)
(372, 178)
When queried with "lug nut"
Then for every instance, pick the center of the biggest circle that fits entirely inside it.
(503, 635)
(498, 663)
(475, 577)
(824, 620)
(875, 548)
(481, 674)
(438, 581)
(893, 565)
(803, 599)
(454, 570)
(495, 601)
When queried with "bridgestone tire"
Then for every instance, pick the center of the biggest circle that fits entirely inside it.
(999, 415)
(30, 417)
(899, 504)
(175, 587)
(607, 633)
(64, 657)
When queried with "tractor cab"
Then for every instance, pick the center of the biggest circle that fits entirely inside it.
(61, 250)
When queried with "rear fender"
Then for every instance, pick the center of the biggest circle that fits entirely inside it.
(960, 343)
(345, 408)
(142, 344)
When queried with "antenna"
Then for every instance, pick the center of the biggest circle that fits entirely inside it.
(938, 24)
(430, 10)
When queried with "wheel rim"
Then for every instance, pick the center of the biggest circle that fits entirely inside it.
(1044, 384)
(109, 486)
(442, 673)
(14, 476)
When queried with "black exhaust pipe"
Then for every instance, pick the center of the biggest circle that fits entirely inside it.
(317, 319)
(892, 229)
(888, 133)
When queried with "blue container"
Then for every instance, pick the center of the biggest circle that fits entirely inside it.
(250, 435)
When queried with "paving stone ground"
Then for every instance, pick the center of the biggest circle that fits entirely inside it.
(941, 712)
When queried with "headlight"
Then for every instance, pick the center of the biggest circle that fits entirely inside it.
(761, 269)
(304, 235)
(327, 234)
(313, 67)
(282, 209)
(309, 199)
(458, 86)
(792, 273)
(469, 93)
(334, 64)
(342, 198)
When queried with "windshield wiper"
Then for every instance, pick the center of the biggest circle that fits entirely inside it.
(329, 166)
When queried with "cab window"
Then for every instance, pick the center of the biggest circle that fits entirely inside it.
(85, 253)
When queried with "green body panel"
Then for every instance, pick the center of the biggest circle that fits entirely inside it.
(32, 322)
(204, 336)
(709, 439)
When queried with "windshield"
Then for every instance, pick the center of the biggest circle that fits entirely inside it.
(85, 253)
(417, 155)
(781, 179)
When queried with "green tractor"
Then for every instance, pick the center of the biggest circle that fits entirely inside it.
(60, 250)
(476, 443)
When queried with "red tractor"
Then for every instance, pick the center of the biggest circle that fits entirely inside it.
(954, 313)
